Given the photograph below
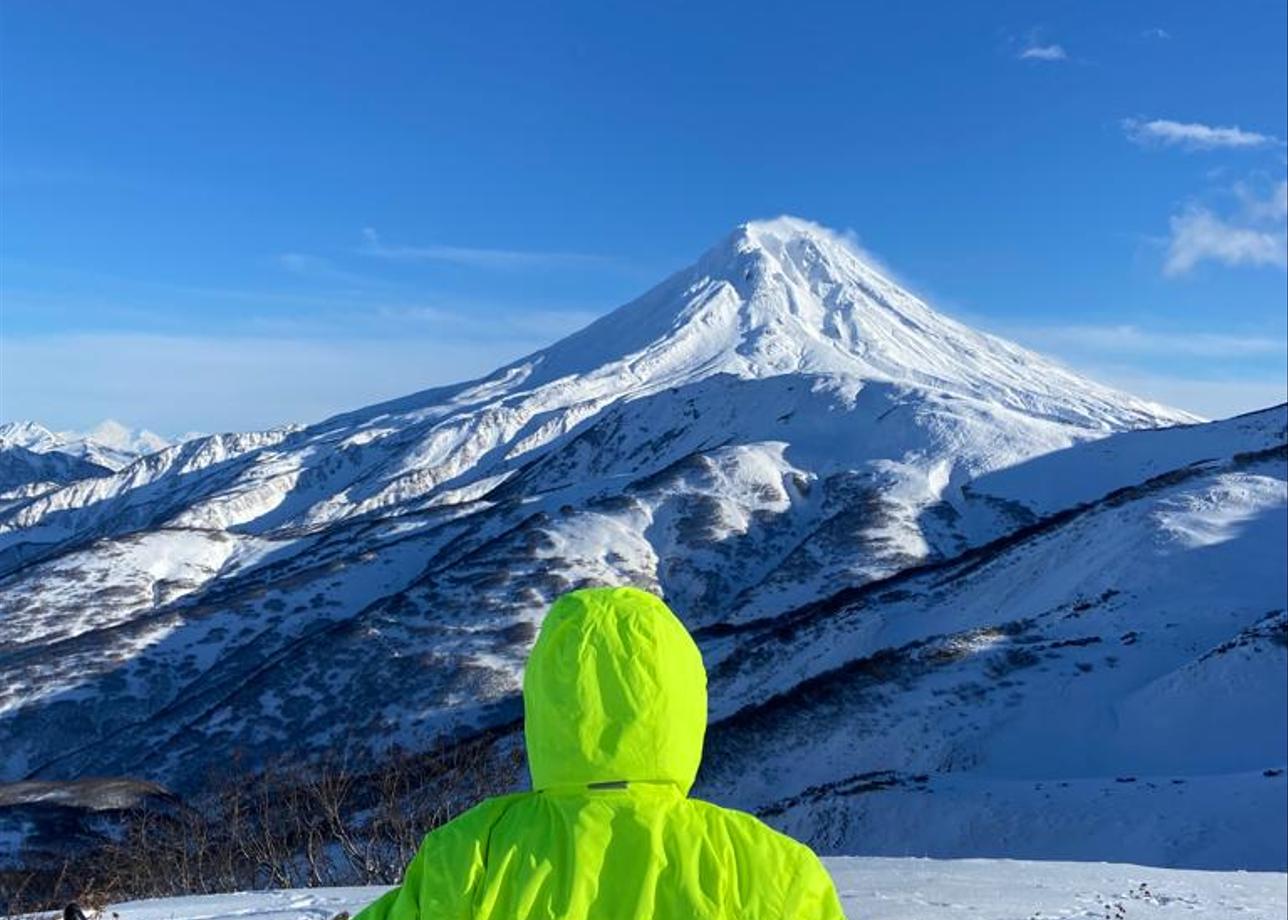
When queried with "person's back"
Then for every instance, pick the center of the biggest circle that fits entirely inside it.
(616, 707)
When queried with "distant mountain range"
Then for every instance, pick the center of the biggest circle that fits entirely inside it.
(34, 459)
(955, 598)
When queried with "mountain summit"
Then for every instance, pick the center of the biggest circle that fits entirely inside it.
(788, 296)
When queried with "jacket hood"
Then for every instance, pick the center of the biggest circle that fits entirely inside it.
(614, 691)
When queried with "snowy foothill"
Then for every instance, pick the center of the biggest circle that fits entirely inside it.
(880, 889)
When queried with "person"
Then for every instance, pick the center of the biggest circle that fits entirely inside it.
(615, 706)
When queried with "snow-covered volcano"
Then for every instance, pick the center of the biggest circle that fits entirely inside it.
(776, 303)
(772, 425)
(789, 297)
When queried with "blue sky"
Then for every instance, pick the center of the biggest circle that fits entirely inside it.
(230, 215)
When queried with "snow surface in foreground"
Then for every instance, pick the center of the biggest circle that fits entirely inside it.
(886, 889)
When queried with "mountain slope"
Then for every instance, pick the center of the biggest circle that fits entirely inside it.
(24, 472)
(32, 464)
(776, 423)
(1106, 681)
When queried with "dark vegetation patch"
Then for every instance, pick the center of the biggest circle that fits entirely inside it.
(290, 825)
(693, 464)
(700, 521)
(1079, 642)
(861, 685)
(1009, 661)
(1271, 629)
(1083, 605)
(859, 784)
(1249, 458)
(523, 632)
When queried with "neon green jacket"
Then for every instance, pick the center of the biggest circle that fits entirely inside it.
(615, 701)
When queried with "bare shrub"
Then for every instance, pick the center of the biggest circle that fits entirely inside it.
(288, 825)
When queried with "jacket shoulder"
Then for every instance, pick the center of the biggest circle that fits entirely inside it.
(440, 881)
(786, 872)
(480, 817)
(742, 826)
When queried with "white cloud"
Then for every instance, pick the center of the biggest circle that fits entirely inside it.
(473, 256)
(1155, 32)
(1254, 234)
(1198, 235)
(1274, 207)
(1191, 135)
(1044, 53)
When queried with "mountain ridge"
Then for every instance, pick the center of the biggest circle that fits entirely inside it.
(108, 444)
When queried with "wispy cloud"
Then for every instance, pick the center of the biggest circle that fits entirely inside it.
(1035, 52)
(1128, 339)
(230, 383)
(1273, 207)
(475, 257)
(321, 269)
(539, 324)
(259, 360)
(1210, 398)
(1156, 32)
(1213, 372)
(1163, 132)
(1198, 235)
(1253, 235)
